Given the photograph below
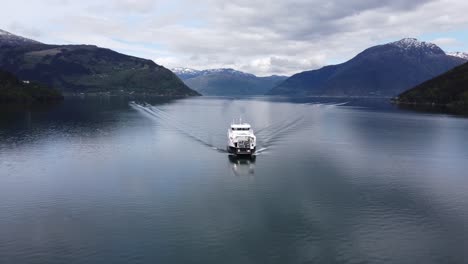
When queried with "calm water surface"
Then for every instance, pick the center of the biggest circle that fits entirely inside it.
(113, 181)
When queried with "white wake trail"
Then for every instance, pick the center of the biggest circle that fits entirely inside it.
(150, 111)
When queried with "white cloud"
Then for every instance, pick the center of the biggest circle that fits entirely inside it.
(262, 37)
(446, 41)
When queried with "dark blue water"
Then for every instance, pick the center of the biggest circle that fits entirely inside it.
(335, 181)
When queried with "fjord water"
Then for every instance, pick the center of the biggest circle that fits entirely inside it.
(107, 180)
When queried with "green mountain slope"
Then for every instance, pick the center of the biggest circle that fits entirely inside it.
(14, 90)
(86, 68)
(450, 88)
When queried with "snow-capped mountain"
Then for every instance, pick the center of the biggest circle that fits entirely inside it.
(425, 47)
(412, 44)
(187, 73)
(458, 54)
(6, 38)
(226, 71)
(382, 70)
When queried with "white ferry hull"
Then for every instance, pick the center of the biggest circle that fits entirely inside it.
(241, 151)
(241, 139)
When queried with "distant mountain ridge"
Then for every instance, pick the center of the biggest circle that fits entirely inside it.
(383, 70)
(227, 81)
(463, 55)
(187, 73)
(87, 69)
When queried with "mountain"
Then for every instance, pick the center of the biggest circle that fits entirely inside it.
(14, 90)
(8, 39)
(87, 68)
(462, 55)
(384, 70)
(186, 73)
(450, 88)
(227, 81)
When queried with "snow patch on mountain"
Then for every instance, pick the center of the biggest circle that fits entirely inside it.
(6, 38)
(227, 71)
(415, 44)
(184, 70)
(187, 73)
(463, 55)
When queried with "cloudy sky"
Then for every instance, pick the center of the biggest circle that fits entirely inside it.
(261, 37)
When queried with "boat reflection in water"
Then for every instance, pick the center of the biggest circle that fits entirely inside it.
(242, 165)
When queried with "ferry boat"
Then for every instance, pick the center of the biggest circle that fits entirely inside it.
(241, 139)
